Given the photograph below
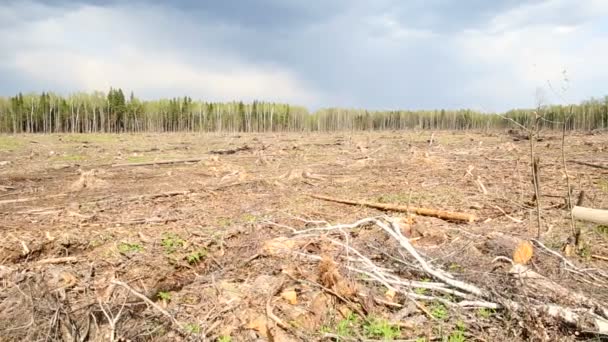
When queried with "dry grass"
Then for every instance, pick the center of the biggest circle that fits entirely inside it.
(190, 236)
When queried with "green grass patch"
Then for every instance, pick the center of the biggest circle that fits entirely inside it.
(172, 242)
(603, 185)
(455, 267)
(249, 218)
(380, 328)
(70, 157)
(457, 335)
(345, 327)
(602, 229)
(126, 248)
(196, 257)
(91, 138)
(139, 159)
(420, 291)
(8, 143)
(224, 222)
(439, 311)
(193, 328)
(485, 312)
(164, 295)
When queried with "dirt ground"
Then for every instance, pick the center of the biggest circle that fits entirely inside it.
(208, 242)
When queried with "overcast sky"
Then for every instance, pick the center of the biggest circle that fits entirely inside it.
(380, 54)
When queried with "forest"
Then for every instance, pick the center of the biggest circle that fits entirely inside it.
(114, 112)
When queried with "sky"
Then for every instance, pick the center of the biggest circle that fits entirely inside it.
(381, 54)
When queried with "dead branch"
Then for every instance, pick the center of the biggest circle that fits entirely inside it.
(576, 234)
(599, 257)
(597, 166)
(599, 216)
(30, 199)
(52, 261)
(144, 221)
(561, 257)
(481, 186)
(395, 232)
(160, 162)
(536, 182)
(592, 316)
(112, 320)
(507, 215)
(445, 215)
(151, 303)
(231, 151)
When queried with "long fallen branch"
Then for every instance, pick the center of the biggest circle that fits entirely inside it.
(231, 151)
(599, 216)
(160, 162)
(61, 260)
(30, 199)
(445, 215)
(597, 166)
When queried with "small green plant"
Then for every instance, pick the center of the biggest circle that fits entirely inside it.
(455, 267)
(195, 257)
(225, 338)
(554, 243)
(193, 328)
(603, 184)
(138, 159)
(602, 229)
(224, 222)
(164, 295)
(485, 312)
(171, 242)
(380, 328)
(125, 248)
(346, 326)
(420, 291)
(325, 329)
(10, 143)
(439, 311)
(71, 157)
(456, 335)
(421, 339)
(249, 218)
(585, 251)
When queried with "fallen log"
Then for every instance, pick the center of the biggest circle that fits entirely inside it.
(444, 215)
(597, 166)
(599, 216)
(160, 162)
(232, 151)
(30, 199)
(61, 260)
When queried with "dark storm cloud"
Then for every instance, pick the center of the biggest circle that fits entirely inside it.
(379, 54)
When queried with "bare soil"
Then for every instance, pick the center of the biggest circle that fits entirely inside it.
(196, 238)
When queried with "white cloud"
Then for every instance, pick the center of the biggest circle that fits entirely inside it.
(93, 48)
(381, 54)
(520, 51)
(386, 26)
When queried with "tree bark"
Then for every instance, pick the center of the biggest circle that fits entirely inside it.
(599, 216)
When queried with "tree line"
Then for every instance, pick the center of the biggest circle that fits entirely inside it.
(115, 112)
